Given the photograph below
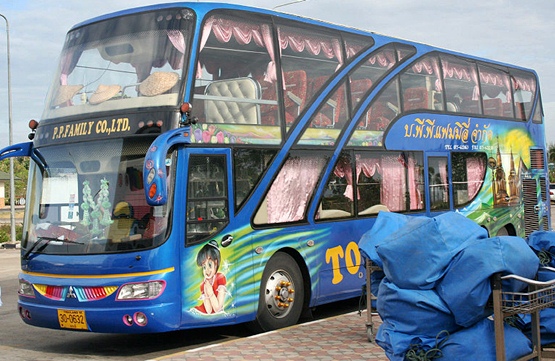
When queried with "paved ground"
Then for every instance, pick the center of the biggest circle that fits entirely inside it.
(338, 338)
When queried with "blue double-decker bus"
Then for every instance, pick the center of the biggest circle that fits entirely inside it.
(202, 164)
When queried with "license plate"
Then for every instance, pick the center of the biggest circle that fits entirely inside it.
(73, 319)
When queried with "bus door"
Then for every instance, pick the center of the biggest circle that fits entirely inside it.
(209, 253)
(439, 179)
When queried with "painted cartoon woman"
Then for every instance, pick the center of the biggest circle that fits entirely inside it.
(213, 287)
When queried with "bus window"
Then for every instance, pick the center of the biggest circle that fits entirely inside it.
(363, 78)
(248, 167)
(389, 181)
(460, 80)
(372, 70)
(292, 189)
(385, 107)
(332, 115)
(125, 63)
(538, 114)
(496, 92)
(438, 183)
(308, 59)
(236, 75)
(337, 199)
(355, 44)
(420, 87)
(469, 171)
(207, 210)
(524, 92)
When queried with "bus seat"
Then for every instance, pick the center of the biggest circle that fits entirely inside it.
(415, 98)
(296, 86)
(261, 217)
(332, 213)
(380, 116)
(493, 107)
(470, 106)
(521, 110)
(124, 225)
(375, 209)
(326, 118)
(508, 110)
(360, 87)
(268, 112)
(233, 105)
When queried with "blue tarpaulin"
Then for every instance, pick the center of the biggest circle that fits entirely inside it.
(437, 284)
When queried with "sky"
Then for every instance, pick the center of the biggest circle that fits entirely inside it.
(511, 31)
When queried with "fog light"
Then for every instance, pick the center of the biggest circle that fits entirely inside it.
(140, 318)
(27, 314)
(128, 320)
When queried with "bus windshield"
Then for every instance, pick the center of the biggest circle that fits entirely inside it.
(90, 199)
(121, 63)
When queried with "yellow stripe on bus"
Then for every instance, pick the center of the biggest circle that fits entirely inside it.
(116, 275)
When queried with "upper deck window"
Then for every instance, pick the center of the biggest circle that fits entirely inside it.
(122, 63)
(460, 82)
(524, 92)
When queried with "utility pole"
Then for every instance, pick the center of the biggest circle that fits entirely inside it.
(12, 181)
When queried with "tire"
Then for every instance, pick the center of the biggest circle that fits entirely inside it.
(281, 294)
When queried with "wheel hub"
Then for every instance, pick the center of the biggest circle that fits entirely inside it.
(279, 294)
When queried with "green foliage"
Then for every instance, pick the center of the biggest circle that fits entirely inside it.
(21, 171)
(551, 159)
(5, 233)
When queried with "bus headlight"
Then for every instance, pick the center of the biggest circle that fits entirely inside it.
(141, 290)
(25, 289)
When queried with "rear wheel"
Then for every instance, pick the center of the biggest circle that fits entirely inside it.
(281, 294)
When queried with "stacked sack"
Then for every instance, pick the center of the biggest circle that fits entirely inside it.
(543, 244)
(436, 285)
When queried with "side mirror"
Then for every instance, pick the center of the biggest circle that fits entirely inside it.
(154, 168)
(17, 150)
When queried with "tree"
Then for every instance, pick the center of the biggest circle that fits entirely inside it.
(551, 153)
(21, 170)
(551, 160)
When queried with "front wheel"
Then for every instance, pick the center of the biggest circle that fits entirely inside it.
(281, 294)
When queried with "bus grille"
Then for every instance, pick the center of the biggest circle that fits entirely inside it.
(83, 294)
(530, 202)
(536, 159)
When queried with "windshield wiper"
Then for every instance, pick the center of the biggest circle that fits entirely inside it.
(44, 242)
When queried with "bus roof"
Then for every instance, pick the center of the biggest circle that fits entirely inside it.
(205, 7)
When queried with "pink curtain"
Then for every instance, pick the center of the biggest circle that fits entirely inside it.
(344, 170)
(498, 79)
(524, 84)
(352, 49)
(244, 33)
(394, 170)
(69, 62)
(178, 41)
(289, 195)
(330, 48)
(442, 164)
(416, 196)
(385, 58)
(429, 66)
(462, 72)
(475, 170)
(393, 183)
